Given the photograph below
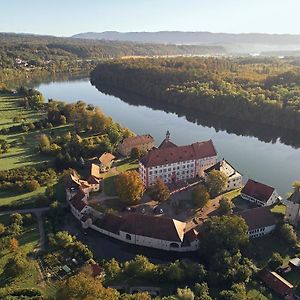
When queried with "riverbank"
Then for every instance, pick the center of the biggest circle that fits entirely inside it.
(269, 159)
(224, 87)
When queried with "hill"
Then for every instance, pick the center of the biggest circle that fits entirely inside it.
(234, 42)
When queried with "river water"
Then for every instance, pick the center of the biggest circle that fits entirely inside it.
(264, 154)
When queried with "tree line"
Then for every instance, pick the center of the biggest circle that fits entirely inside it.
(265, 92)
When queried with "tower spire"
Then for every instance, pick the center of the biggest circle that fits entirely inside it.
(168, 135)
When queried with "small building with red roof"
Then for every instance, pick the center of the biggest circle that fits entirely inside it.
(142, 142)
(259, 193)
(277, 283)
(260, 221)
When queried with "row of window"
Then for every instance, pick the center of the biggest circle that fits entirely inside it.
(169, 179)
(257, 230)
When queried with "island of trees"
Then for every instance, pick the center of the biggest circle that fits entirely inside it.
(264, 91)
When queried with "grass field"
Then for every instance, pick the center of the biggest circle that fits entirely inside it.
(17, 199)
(22, 154)
(30, 279)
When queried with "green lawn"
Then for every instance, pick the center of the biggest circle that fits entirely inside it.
(27, 242)
(232, 194)
(18, 199)
(279, 209)
(22, 154)
(121, 166)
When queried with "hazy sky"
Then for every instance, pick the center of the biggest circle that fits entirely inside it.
(67, 17)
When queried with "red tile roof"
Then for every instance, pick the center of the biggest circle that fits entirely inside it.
(189, 237)
(258, 190)
(106, 158)
(166, 143)
(72, 180)
(111, 223)
(276, 282)
(154, 227)
(95, 171)
(258, 217)
(157, 157)
(138, 140)
(96, 270)
(93, 180)
(77, 201)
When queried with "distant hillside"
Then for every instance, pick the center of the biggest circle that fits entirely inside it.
(248, 41)
(45, 48)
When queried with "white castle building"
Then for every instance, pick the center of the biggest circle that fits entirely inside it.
(175, 163)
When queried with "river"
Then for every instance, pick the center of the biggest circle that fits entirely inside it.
(267, 159)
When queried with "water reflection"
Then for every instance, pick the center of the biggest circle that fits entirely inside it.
(264, 133)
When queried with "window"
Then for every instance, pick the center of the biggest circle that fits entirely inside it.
(128, 236)
(174, 245)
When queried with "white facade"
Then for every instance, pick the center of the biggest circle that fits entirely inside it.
(78, 214)
(148, 241)
(235, 179)
(272, 200)
(292, 213)
(177, 171)
(259, 232)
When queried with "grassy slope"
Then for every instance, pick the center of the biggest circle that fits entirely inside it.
(21, 155)
(27, 242)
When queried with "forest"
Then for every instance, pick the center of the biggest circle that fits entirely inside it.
(21, 54)
(264, 90)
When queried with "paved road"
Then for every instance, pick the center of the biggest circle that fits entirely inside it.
(25, 211)
(38, 212)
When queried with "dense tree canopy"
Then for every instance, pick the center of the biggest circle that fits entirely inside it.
(263, 91)
(130, 187)
(225, 232)
(216, 182)
(200, 196)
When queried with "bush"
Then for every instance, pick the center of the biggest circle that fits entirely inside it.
(32, 185)
(26, 292)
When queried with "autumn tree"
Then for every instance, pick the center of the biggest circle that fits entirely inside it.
(216, 182)
(62, 239)
(137, 153)
(130, 187)
(16, 265)
(13, 244)
(140, 267)
(2, 229)
(275, 261)
(16, 218)
(237, 292)
(201, 291)
(137, 296)
(112, 268)
(82, 286)
(287, 234)
(159, 191)
(226, 206)
(296, 185)
(185, 294)
(200, 196)
(44, 142)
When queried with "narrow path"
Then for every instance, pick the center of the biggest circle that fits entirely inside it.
(25, 211)
(41, 231)
(38, 212)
